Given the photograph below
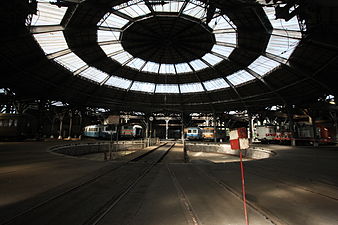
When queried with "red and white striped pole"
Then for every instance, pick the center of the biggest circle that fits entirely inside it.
(238, 141)
(243, 189)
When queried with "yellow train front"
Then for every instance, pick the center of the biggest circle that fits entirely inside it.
(218, 134)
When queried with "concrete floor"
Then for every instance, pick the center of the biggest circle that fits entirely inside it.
(297, 186)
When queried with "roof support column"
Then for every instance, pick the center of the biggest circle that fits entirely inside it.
(291, 126)
(70, 124)
(251, 125)
(215, 127)
(166, 128)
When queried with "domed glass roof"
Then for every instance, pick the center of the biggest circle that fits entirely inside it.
(171, 40)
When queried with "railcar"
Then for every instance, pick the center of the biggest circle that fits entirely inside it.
(209, 134)
(13, 126)
(266, 133)
(194, 133)
(325, 134)
(100, 131)
(131, 131)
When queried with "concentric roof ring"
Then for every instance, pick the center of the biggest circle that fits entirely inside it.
(119, 69)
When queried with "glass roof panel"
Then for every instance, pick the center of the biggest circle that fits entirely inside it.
(212, 59)
(215, 84)
(103, 35)
(136, 63)
(48, 14)
(122, 57)
(183, 68)
(197, 64)
(191, 87)
(263, 65)
(118, 82)
(240, 77)
(194, 10)
(281, 46)
(222, 50)
(113, 21)
(226, 37)
(170, 6)
(288, 33)
(167, 69)
(134, 9)
(292, 24)
(110, 49)
(94, 74)
(167, 88)
(142, 86)
(220, 23)
(71, 61)
(51, 42)
(151, 67)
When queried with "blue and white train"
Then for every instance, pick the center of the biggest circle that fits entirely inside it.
(110, 131)
(194, 133)
(100, 131)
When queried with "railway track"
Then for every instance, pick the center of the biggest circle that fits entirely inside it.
(42, 213)
(152, 161)
(264, 212)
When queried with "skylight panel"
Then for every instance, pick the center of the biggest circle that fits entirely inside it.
(191, 87)
(51, 42)
(175, 6)
(94, 74)
(167, 88)
(215, 84)
(114, 21)
(183, 68)
(71, 61)
(292, 24)
(219, 23)
(151, 67)
(118, 82)
(263, 65)
(170, 6)
(281, 46)
(195, 11)
(222, 50)
(48, 14)
(135, 10)
(240, 77)
(212, 59)
(198, 64)
(167, 69)
(122, 57)
(226, 37)
(136, 63)
(142, 86)
(110, 49)
(103, 35)
(288, 33)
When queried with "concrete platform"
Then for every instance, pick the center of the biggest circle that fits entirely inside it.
(297, 186)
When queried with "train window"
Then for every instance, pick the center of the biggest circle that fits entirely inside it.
(194, 131)
(189, 131)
